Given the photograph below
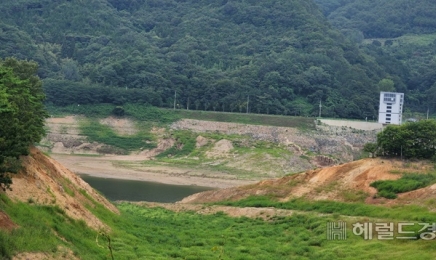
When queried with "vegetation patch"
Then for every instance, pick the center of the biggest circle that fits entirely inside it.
(406, 212)
(156, 233)
(184, 145)
(408, 182)
(253, 119)
(144, 113)
(97, 132)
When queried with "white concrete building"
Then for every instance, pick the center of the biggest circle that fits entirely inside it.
(391, 108)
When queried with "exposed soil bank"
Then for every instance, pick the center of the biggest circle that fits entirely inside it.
(104, 167)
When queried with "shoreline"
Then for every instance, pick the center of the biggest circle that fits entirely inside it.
(102, 167)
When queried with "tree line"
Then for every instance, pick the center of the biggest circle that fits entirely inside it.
(409, 140)
(281, 54)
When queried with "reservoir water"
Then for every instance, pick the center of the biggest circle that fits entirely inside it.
(116, 189)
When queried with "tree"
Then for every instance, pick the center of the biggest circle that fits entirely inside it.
(386, 85)
(410, 140)
(22, 114)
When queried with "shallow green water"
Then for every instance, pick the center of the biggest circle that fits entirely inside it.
(116, 189)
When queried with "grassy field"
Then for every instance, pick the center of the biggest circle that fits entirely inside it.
(97, 132)
(405, 212)
(157, 233)
(165, 116)
(254, 119)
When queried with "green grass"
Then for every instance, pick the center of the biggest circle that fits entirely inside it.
(184, 145)
(166, 116)
(135, 111)
(408, 182)
(406, 212)
(97, 132)
(254, 119)
(156, 233)
(44, 228)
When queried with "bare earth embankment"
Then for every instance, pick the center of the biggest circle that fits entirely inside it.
(328, 145)
(106, 167)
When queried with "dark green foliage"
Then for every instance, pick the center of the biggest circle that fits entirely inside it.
(400, 35)
(214, 55)
(410, 140)
(370, 147)
(381, 19)
(118, 111)
(408, 182)
(22, 113)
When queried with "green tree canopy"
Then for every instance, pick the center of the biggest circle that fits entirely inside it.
(410, 140)
(22, 113)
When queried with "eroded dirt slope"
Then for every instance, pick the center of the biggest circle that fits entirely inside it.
(45, 181)
(346, 182)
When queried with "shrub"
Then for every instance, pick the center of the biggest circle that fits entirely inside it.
(408, 182)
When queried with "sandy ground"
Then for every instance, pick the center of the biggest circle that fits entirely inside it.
(106, 167)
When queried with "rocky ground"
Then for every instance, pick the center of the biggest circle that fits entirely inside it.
(308, 149)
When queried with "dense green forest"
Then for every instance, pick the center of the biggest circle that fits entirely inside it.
(282, 57)
(400, 35)
(382, 18)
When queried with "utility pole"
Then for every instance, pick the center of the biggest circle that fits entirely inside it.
(320, 106)
(175, 97)
(248, 101)
(427, 112)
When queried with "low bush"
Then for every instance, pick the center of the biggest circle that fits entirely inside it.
(408, 182)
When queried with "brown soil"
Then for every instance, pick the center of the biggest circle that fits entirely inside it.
(122, 126)
(6, 223)
(108, 167)
(45, 181)
(61, 253)
(337, 183)
(221, 148)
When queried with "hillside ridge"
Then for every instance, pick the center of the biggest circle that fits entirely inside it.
(44, 181)
(348, 182)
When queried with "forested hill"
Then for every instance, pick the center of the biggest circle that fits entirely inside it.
(400, 35)
(382, 18)
(283, 54)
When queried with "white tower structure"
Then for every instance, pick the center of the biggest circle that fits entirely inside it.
(391, 108)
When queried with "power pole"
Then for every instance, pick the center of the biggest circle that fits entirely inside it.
(320, 106)
(427, 112)
(248, 101)
(175, 97)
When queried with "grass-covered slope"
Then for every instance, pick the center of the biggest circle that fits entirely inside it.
(36, 227)
(144, 233)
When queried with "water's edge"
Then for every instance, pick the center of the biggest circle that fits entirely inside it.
(132, 190)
